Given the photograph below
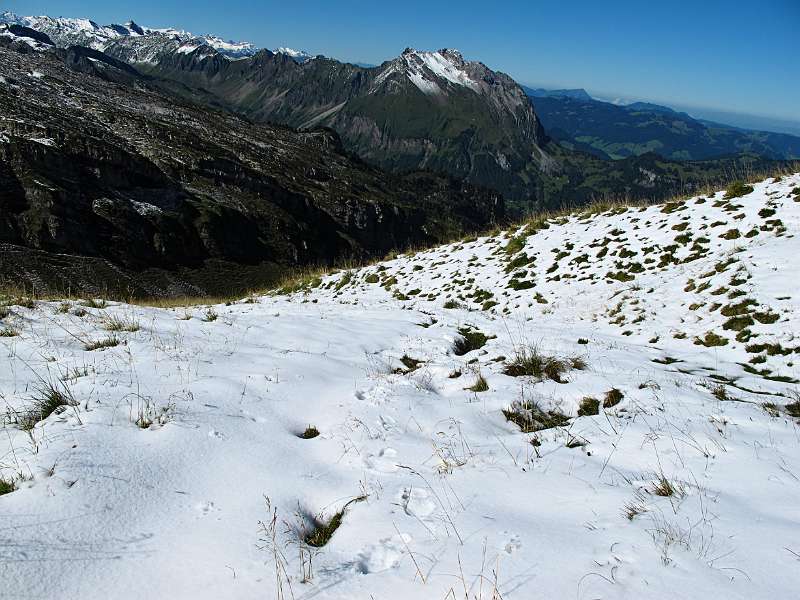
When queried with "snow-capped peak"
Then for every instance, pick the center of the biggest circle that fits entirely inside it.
(429, 70)
(298, 55)
(86, 32)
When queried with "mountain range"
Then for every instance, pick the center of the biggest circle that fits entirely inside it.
(607, 130)
(184, 156)
(112, 178)
(433, 111)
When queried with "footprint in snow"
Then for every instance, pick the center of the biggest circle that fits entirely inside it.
(417, 502)
(385, 555)
(375, 396)
(512, 545)
(206, 508)
(216, 434)
(383, 462)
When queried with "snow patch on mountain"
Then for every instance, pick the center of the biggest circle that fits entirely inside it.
(300, 56)
(427, 69)
(85, 32)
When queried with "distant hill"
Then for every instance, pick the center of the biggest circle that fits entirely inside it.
(607, 130)
(576, 94)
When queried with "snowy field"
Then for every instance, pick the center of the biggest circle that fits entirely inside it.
(601, 406)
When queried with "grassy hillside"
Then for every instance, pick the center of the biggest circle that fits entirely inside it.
(617, 132)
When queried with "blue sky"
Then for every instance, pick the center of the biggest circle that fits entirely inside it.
(730, 55)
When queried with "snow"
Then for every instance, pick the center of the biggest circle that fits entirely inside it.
(229, 48)
(100, 37)
(445, 65)
(35, 44)
(44, 141)
(298, 55)
(445, 495)
(187, 48)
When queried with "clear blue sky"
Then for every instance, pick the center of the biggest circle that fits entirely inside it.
(734, 55)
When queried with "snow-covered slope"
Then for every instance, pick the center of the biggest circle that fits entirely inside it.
(650, 451)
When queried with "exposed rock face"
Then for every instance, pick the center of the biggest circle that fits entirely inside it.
(428, 110)
(95, 163)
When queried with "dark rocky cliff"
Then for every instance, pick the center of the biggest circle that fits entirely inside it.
(95, 163)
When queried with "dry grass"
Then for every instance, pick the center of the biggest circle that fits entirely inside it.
(529, 361)
(48, 398)
(530, 417)
(108, 342)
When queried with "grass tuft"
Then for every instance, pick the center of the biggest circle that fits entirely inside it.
(48, 398)
(7, 486)
(612, 398)
(322, 530)
(470, 340)
(529, 417)
(114, 323)
(737, 189)
(532, 363)
(108, 342)
(480, 384)
(310, 433)
(588, 407)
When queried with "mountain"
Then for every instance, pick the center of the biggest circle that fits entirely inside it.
(422, 110)
(109, 183)
(432, 111)
(614, 131)
(649, 107)
(149, 42)
(577, 94)
(611, 392)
